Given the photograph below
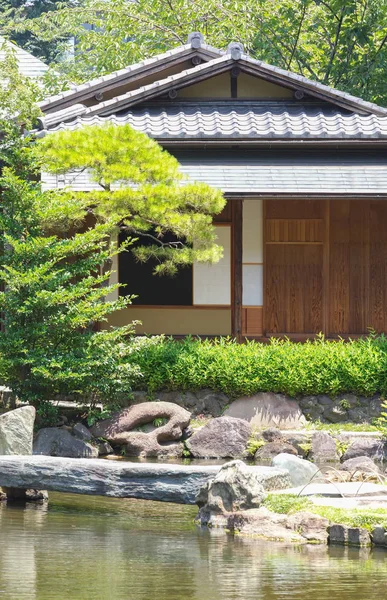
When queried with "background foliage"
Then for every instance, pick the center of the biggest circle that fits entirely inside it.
(341, 43)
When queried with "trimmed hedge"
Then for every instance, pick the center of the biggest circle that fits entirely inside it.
(314, 367)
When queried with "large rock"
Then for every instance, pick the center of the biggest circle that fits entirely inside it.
(301, 472)
(351, 536)
(206, 401)
(266, 409)
(361, 463)
(373, 448)
(17, 430)
(238, 487)
(160, 442)
(58, 441)
(271, 449)
(324, 447)
(146, 481)
(224, 437)
(261, 522)
(312, 527)
(300, 528)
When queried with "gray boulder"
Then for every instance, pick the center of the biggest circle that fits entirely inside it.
(335, 414)
(312, 527)
(379, 536)
(267, 409)
(81, 432)
(159, 442)
(324, 447)
(351, 536)
(260, 522)
(272, 434)
(301, 472)
(373, 448)
(271, 449)
(104, 448)
(17, 430)
(360, 463)
(223, 437)
(58, 441)
(238, 487)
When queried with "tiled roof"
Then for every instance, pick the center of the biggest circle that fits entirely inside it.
(265, 173)
(237, 119)
(223, 63)
(132, 70)
(29, 66)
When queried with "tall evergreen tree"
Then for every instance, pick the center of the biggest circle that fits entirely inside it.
(56, 248)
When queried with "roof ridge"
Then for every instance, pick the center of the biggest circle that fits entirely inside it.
(311, 83)
(135, 67)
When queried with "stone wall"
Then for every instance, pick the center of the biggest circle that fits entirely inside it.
(344, 408)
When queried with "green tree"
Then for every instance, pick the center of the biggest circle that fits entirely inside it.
(53, 295)
(338, 42)
(54, 269)
(57, 247)
(140, 190)
(18, 11)
(18, 111)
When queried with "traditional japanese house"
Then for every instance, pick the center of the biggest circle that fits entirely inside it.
(304, 170)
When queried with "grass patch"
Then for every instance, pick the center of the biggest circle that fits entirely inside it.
(336, 428)
(281, 366)
(356, 517)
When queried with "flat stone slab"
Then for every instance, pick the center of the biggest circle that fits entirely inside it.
(150, 481)
(338, 490)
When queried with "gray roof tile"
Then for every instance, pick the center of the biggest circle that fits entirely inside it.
(266, 173)
(238, 119)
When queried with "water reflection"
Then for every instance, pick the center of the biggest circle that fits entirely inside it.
(85, 548)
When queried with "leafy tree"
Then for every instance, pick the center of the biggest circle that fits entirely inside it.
(338, 42)
(18, 111)
(53, 294)
(19, 10)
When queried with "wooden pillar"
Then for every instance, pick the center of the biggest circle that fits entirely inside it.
(236, 279)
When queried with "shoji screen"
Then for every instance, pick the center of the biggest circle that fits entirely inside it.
(252, 253)
(212, 283)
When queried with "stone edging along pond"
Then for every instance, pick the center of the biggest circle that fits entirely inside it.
(250, 500)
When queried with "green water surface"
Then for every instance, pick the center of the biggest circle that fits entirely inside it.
(86, 548)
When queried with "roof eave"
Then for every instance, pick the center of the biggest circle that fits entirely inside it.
(267, 142)
(101, 85)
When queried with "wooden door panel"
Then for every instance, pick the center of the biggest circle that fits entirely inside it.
(349, 266)
(293, 300)
(378, 266)
(351, 290)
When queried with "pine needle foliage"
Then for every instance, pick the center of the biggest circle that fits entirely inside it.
(140, 188)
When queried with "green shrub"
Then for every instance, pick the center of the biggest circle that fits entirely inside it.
(282, 366)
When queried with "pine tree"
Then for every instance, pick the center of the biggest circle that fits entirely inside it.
(57, 245)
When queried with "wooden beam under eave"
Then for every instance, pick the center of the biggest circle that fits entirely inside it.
(236, 280)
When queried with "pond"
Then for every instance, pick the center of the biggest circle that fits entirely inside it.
(92, 548)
